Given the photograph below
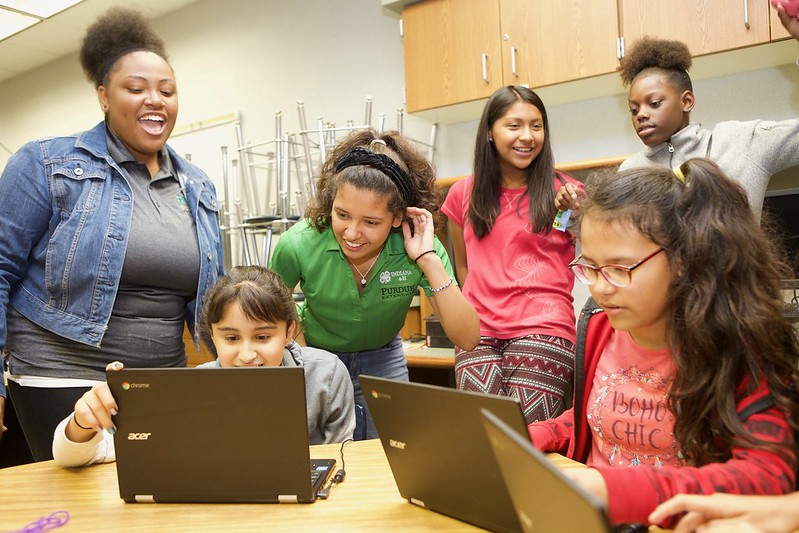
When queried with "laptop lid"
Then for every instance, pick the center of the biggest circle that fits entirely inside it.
(438, 451)
(212, 435)
(544, 498)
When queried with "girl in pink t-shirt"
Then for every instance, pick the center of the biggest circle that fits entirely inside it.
(510, 261)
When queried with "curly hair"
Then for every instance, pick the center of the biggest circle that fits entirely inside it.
(259, 291)
(726, 323)
(484, 199)
(669, 58)
(113, 35)
(421, 172)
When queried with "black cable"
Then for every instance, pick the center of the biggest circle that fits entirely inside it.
(338, 477)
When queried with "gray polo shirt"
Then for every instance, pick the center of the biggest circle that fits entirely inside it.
(159, 277)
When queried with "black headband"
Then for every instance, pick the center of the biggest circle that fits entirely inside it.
(383, 163)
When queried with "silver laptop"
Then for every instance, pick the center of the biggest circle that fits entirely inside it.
(213, 435)
(544, 498)
(438, 451)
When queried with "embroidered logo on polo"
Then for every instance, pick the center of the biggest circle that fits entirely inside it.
(396, 277)
(182, 204)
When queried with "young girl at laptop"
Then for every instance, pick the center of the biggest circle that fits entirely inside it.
(249, 318)
(365, 249)
(686, 377)
(511, 262)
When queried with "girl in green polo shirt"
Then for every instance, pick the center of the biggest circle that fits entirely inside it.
(366, 246)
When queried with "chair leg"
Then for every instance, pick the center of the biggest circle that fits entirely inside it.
(268, 247)
(254, 256)
(240, 219)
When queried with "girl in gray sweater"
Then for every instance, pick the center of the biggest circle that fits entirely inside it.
(661, 99)
(249, 319)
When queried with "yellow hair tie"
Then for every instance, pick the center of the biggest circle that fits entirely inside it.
(678, 173)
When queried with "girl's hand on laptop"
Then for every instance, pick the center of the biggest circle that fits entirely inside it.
(730, 512)
(93, 411)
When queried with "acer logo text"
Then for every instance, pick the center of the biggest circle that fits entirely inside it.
(139, 436)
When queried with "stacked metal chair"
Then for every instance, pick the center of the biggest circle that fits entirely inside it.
(271, 181)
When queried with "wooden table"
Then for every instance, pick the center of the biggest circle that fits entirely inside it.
(435, 366)
(367, 500)
(421, 355)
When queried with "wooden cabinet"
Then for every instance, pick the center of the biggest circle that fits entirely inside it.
(452, 52)
(706, 26)
(459, 51)
(462, 50)
(552, 41)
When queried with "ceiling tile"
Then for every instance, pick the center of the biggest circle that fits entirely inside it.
(61, 34)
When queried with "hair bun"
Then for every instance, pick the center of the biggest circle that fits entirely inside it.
(115, 33)
(650, 52)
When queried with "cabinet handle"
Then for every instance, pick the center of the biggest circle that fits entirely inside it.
(746, 14)
(513, 61)
(484, 60)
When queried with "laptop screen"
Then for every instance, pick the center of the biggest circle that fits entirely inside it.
(437, 448)
(212, 435)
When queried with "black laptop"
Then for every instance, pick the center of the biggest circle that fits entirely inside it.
(544, 498)
(436, 446)
(214, 435)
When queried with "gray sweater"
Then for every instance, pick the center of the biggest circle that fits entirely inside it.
(329, 400)
(749, 152)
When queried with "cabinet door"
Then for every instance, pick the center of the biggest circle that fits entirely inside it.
(452, 52)
(706, 26)
(553, 41)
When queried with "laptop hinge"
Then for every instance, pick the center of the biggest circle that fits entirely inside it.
(414, 501)
(144, 498)
(287, 498)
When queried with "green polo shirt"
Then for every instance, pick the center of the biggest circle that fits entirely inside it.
(334, 315)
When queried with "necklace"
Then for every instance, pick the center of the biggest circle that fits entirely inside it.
(364, 274)
(510, 197)
(508, 201)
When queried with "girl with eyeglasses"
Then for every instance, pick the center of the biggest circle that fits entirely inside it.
(686, 372)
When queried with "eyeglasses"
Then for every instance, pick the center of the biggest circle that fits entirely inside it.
(617, 275)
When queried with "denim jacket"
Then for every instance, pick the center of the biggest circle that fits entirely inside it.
(65, 212)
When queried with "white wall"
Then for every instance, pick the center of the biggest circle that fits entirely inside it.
(600, 127)
(258, 56)
(247, 56)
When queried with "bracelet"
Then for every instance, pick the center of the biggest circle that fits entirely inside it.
(75, 419)
(444, 286)
(422, 254)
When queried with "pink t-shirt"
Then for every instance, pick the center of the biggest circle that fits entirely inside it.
(627, 412)
(518, 282)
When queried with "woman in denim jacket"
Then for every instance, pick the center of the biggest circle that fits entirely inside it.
(108, 238)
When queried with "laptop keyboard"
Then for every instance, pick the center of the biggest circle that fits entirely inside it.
(320, 471)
